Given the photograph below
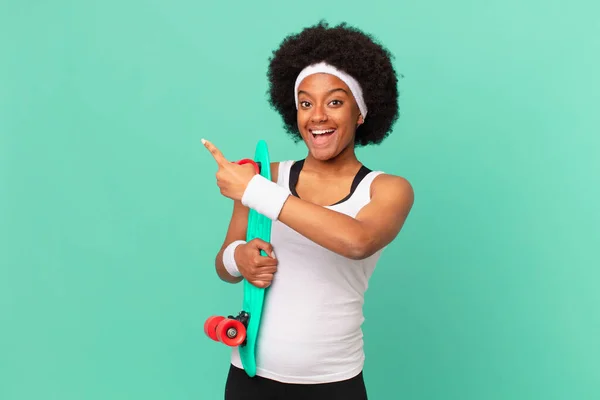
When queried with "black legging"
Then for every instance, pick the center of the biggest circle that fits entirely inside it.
(240, 386)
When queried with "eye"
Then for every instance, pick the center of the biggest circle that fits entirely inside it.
(304, 104)
(336, 102)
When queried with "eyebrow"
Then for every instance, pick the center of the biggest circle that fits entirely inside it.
(329, 92)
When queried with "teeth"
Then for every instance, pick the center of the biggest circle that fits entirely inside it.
(321, 132)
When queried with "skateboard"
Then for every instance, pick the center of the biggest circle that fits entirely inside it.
(242, 330)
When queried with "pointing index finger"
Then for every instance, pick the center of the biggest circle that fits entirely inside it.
(216, 153)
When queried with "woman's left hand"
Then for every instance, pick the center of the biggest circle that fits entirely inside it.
(232, 178)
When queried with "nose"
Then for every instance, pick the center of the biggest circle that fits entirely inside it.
(319, 113)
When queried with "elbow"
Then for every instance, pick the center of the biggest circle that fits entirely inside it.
(360, 247)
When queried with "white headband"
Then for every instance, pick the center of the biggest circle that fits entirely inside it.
(323, 67)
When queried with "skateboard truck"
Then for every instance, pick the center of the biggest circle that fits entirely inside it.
(230, 331)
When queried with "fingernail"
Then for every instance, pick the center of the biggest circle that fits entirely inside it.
(273, 254)
(203, 141)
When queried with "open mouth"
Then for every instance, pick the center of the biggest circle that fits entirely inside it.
(322, 133)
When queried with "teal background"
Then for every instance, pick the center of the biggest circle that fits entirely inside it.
(110, 217)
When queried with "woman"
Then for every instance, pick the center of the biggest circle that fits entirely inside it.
(335, 89)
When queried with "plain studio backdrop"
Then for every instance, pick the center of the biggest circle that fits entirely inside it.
(110, 217)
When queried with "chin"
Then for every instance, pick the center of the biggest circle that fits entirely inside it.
(323, 154)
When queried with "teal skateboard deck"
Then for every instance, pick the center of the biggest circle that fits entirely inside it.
(242, 330)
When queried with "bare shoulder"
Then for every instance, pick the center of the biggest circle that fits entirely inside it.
(392, 199)
(393, 187)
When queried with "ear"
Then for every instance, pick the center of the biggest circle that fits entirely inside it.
(360, 120)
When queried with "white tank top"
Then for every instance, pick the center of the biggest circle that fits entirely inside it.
(311, 325)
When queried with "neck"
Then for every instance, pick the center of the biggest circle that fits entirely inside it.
(346, 161)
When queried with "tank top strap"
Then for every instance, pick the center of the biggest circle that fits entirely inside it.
(364, 187)
(283, 174)
(359, 198)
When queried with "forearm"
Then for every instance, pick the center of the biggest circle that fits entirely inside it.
(222, 272)
(375, 226)
(235, 231)
(335, 231)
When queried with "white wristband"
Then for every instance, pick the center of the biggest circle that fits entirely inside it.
(265, 197)
(229, 259)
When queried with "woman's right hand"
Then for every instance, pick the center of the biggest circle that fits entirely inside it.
(254, 267)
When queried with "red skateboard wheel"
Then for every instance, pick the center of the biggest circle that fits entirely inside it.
(231, 332)
(210, 326)
(249, 161)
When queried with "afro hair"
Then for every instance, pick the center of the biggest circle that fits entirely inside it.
(349, 50)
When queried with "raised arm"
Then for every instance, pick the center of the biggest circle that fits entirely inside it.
(375, 226)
